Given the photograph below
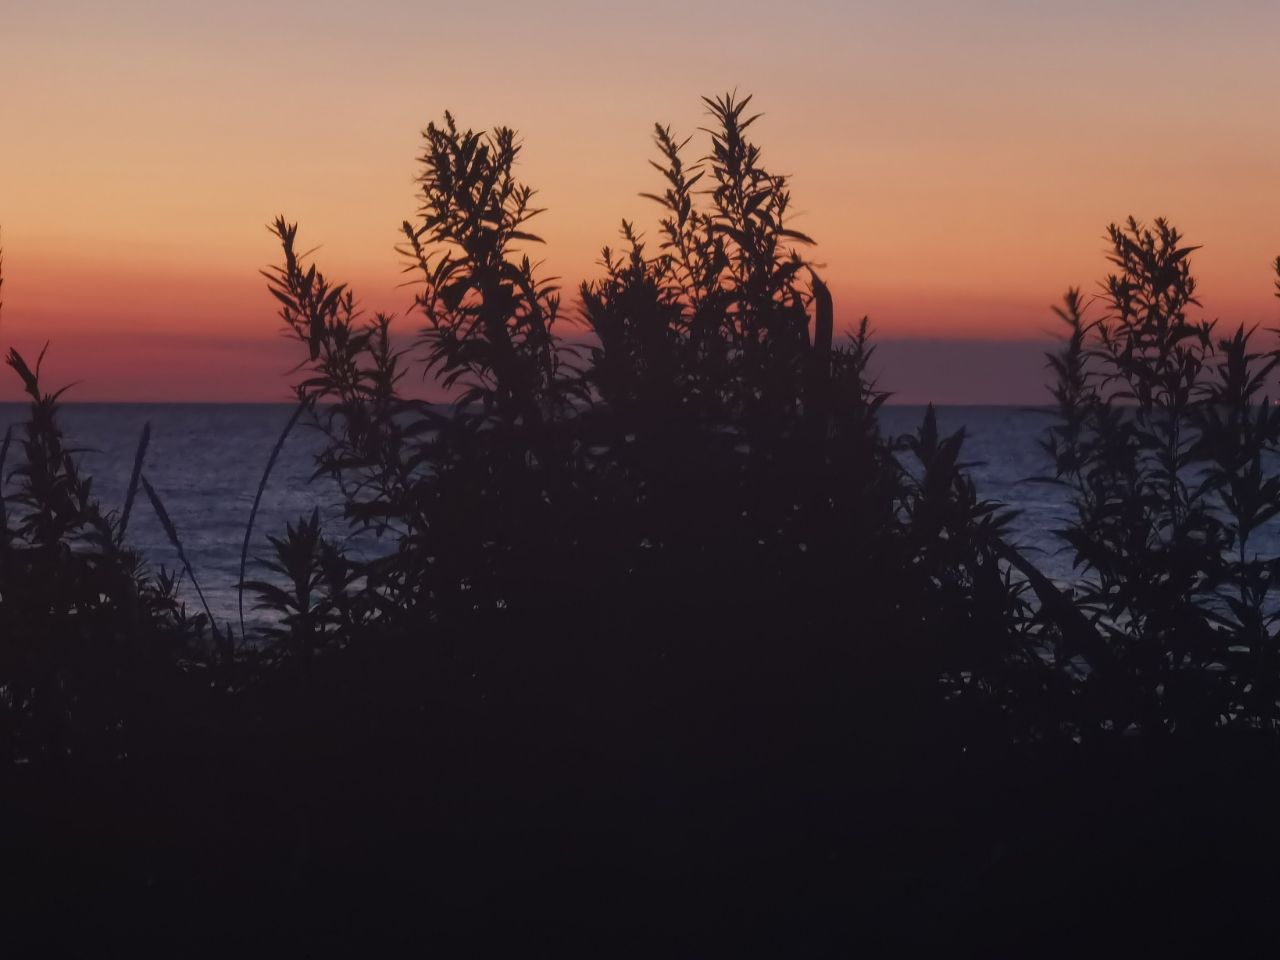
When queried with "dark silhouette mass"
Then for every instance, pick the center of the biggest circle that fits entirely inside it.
(663, 644)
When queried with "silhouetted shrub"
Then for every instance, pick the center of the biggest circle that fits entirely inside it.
(702, 479)
(91, 643)
(1167, 445)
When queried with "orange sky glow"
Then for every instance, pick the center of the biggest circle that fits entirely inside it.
(957, 163)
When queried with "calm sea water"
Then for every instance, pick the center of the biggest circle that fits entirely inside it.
(205, 461)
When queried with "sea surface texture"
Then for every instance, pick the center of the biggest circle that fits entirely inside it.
(206, 461)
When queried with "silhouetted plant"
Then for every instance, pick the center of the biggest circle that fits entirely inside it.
(315, 605)
(709, 470)
(490, 318)
(1166, 444)
(88, 638)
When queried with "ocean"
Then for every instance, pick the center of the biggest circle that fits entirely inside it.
(205, 462)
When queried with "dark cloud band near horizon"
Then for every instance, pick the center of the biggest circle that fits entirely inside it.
(112, 367)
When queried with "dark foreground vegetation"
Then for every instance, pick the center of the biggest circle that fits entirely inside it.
(668, 644)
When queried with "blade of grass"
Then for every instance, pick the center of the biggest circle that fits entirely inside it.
(172, 533)
(133, 479)
(257, 501)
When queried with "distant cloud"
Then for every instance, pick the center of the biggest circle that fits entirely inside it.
(963, 371)
(142, 367)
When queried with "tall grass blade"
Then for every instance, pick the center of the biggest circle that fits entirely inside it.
(134, 478)
(172, 533)
(257, 501)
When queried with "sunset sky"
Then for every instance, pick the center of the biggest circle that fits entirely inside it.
(957, 162)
